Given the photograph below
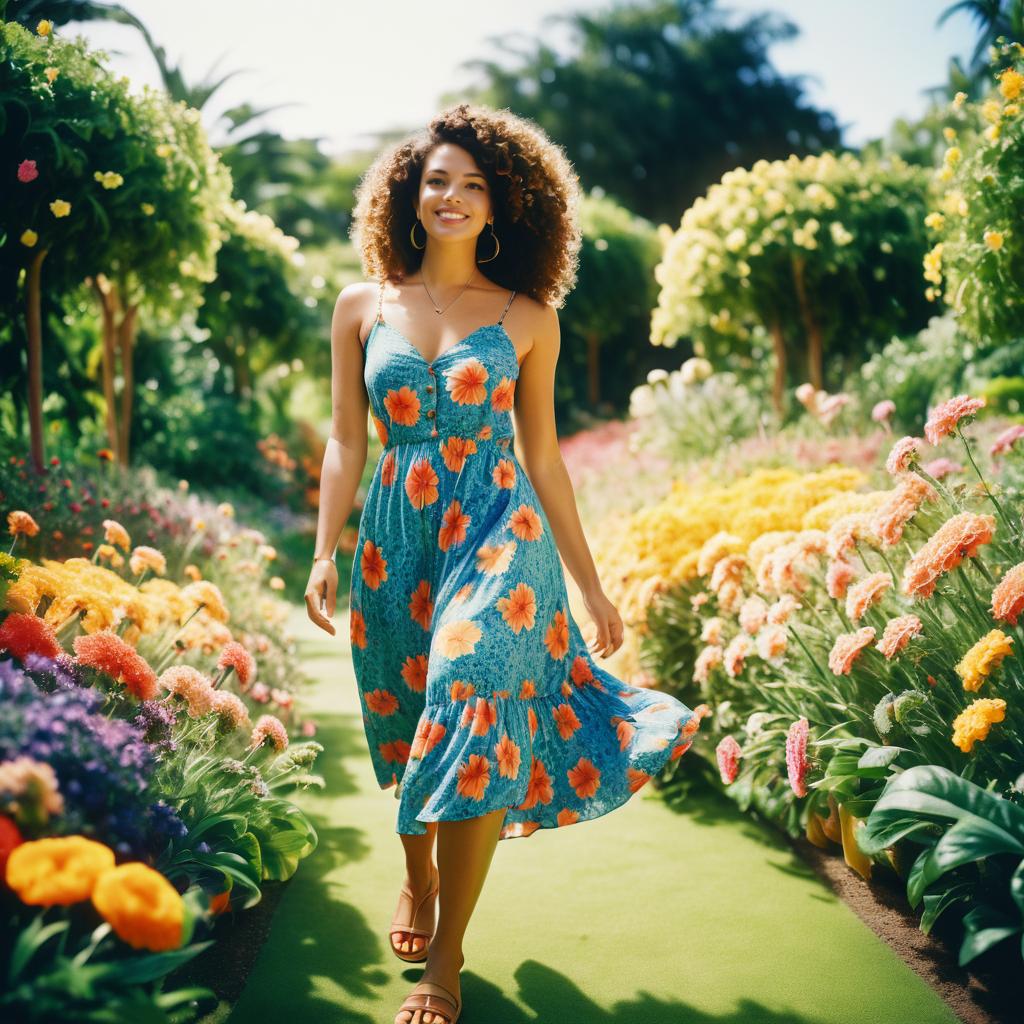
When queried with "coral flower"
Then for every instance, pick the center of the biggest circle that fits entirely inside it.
(421, 483)
(235, 656)
(106, 651)
(866, 592)
(414, 672)
(898, 633)
(461, 690)
(944, 418)
(373, 565)
(455, 450)
(525, 523)
(903, 502)
(504, 473)
(708, 659)
(772, 642)
(939, 468)
(20, 522)
(585, 778)
(753, 613)
(527, 690)
(1006, 440)
(507, 754)
(382, 702)
(796, 756)
(735, 654)
(983, 658)
(711, 632)
(556, 638)
(453, 526)
(518, 607)
(565, 719)
(357, 628)
(485, 716)
(539, 788)
(847, 648)
(388, 469)
(467, 382)
(728, 754)
(454, 639)
(567, 816)
(381, 427)
(395, 750)
(142, 907)
(27, 171)
(1008, 595)
(403, 406)
(503, 395)
(57, 871)
(495, 559)
(474, 777)
(624, 732)
(975, 721)
(882, 411)
(780, 612)
(190, 685)
(269, 727)
(143, 558)
(957, 538)
(582, 672)
(904, 453)
(115, 533)
(421, 605)
(428, 735)
(209, 597)
(636, 778)
(23, 634)
(231, 709)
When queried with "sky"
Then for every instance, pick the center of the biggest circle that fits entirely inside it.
(345, 71)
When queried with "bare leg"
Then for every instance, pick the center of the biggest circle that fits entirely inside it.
(464, 852)
(419, 876)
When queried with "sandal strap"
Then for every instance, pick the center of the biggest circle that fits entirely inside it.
(430, 1000)
(399, 925)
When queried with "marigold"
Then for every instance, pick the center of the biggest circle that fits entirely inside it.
(735, 654)
(866, 592)
(1008, 595)
(957, 538)
(231, 709)
(115, 533)
(944, 418)
(708, 659)
(780, 612)
(19, 522)
(143, 558)
(106, 651)
(753, 614)
(711, 632)
(975, 721)
(837, 578)
(142, 907)
(57, 871)
(207, 595)
(983, 658)
(269, 727)
(847, 648)
(772, 642)
(23, 634)
(235, 656)
(898, 633)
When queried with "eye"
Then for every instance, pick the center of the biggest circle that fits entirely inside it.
(437, 180)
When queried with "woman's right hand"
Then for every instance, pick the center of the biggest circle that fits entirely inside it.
(321, 592)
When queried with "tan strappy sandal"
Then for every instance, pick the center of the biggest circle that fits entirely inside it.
(442, 1001)
(411, 924)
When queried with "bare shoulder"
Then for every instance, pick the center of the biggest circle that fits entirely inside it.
(541, 325)
(355, 309)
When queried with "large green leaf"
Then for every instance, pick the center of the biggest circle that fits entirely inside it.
(985, 926)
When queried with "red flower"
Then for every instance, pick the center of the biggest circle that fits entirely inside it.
(23, 634)
(27, 171)
(107, 652)
(10, 837)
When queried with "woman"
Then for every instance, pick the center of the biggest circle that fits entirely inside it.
(482, 703)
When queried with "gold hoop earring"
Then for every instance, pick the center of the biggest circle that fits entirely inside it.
(497, 245)
(412, 235)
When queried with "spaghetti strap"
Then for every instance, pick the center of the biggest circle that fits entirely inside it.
(380, 299)
(507, 304)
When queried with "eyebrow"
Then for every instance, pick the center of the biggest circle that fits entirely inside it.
(468, 174)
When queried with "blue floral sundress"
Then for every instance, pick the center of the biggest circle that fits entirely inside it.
(477, 688)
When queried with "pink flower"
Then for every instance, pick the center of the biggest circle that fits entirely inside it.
(780, 612)
(309, 727)
(900, 507)
(728, 754)
(282, 698)
(235, 656)
(190, 685)
(898, 633)
(830, 407)
(1008, 595)
(269, 727)
(837, 579)
(939, 468)
(807, 396)
(712, 631)
(845, 531)
(958, 538)
(27, 171)
(883, 410)
(260, 693)
(230, 708)
(1006, 440)
(866, 592)
(796, 756)
(709, 658)
(752, 615)
(944, 418)
(903, 453)
(847, 648)
(735, 654)
(772, 642)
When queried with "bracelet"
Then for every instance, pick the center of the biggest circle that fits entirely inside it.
(323, 558)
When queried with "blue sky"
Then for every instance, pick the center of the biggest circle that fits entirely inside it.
(349, 70)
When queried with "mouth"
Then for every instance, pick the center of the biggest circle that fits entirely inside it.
(450, 216)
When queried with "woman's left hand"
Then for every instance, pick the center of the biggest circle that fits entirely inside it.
(608, 622)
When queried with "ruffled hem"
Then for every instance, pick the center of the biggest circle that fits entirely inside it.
(550, 759)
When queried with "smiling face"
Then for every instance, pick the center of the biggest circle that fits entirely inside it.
(454, 197)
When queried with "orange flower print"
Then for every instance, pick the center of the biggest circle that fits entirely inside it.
(463, 593)
(581, 671)
(373, 565)
(421, 483)
(357, 628)
(680, 749)
(566, 689)
(428, 735)
(421, 605)
(455, 450)
(585, 778)
(381, 428)
(504, 473)
(396, 750)
(474, 776)
(388, 468)
(484, 433)
(567, 817)
(461, 690)
(403, 406)
(637, 779)
(457, 638)
(531, 717)
(494, 559)
(625, 731)
(502, 395)
(502, 694)
(382, 702)
(453, 526)
(414, 672)
(518, 607)
(525, 523)
(539, 789)
(566, 720)
(527, 690)
(485, 714)
(556, 639)
(506, 753)
(467, 716)
(466, 383)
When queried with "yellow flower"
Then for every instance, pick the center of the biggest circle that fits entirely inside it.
(142, 907)
(952, 155)
(29, 237)
(992, 110)
(164, 149)
(44, 28)
(935, 220)
(111, 554)
(109, 179)
(207, 595)
(1011, 82)
(145, 557)
(930, 293)
(276, 583)
(60, 208)
(192, 572)
(979, 662)
(115, 533)
(994, 240)
(57, 871)
(992, 132)
(974, 722)
(949, 134)
(51, 74)
(225, 508)
(958, 100)
(148, 209)
(933, 264)
(945, 174)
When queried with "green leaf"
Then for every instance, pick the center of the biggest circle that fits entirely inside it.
(984, 926)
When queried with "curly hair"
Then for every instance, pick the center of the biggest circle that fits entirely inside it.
(534, 189)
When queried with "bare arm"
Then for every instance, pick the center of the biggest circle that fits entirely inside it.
(542, 460)
(344, 455)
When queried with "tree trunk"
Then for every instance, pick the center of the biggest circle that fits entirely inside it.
(593, 369)
(815, 348)
(34, 339)
(107, 302)
(126, 342)
(779, 383)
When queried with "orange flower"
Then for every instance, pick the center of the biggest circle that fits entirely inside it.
(974, 722)
(866, 592)
(566, 689)
(1008, 595)
(636, 778)
(567, 817)
(107, 652)
(944, 418)
(461, 690)
(455, 450)
(428, 735)
(145, 557)
(382, 702)
(421, 483)
(269, 727)
(582, 672)
(235, 656)
(115, 533)
(847, 648)
(466, 383)
(142, 907)
(453, 526)
(585, 778)
(403, 406)
(525, 523)
(625, 731)
(539, 788)
(494, 560)
(21, 522)
(373, 565)
(421, 605)
(381, 428)
(503, 395)
(531, 718)
(507, 754)
(518, 608)
(396, 750)
(504, 473)
(462, 593)
(556, 639)
(527, 690)
(474, 777)
(566, 720)
(485, 714)
(388, 468)
(957, 538)
(457, 638)
(23, 634)
(484, 433)
(898, 633)
(57, 871)
(357, 629)
(414, 672)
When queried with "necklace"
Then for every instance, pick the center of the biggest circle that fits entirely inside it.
(437, 309)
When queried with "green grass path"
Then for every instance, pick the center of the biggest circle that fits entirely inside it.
(643, 916)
